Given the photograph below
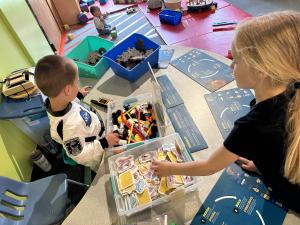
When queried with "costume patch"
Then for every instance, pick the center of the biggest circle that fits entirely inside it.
(73, 146)
(86, 117)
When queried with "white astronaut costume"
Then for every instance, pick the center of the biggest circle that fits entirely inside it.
(79, 131)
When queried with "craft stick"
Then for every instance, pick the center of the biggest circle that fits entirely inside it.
(130, 133)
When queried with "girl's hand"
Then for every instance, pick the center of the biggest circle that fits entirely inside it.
(247, 164)
(85, 90)
(112, 139)
(162, 168)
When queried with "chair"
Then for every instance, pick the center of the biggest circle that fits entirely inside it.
(41, 202)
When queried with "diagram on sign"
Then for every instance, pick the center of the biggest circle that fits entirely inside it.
(228, 106)
(240, 198)
(204, 69)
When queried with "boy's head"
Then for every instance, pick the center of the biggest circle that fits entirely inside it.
(56, 75)
(95, 10)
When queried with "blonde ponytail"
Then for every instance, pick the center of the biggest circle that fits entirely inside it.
(292, 158)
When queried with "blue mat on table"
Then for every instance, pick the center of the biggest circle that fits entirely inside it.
(204, 69)
(186, 127)
(240, 198)
(169, 94)
(227, 106)
(182, 121)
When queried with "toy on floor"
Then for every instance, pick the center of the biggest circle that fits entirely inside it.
(154, 4)
(135, 123)
(66, 27)
(89, 2)
(114, 34)
(82, 18)
(70, 36)
(195, 5)
(125, 1)
(84, 7)
(103, 2)
(136, 181)
(130, 10)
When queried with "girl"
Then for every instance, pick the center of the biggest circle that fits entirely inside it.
(266, 53)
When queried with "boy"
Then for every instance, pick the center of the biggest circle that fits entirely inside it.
(76, 128)
(101, 26)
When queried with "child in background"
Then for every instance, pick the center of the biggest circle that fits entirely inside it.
(266, 52)
(79, 130)
(99, 21)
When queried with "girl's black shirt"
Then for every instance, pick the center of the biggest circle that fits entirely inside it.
(261, 136)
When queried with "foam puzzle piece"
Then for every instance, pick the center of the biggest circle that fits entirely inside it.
(126, 179)
(144, 198)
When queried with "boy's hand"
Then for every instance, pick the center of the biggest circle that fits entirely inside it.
(85, 90)
(112, 139)
(162, 168)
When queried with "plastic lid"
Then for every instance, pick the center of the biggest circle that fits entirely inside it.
(36, 154)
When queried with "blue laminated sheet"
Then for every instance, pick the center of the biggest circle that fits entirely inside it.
(227, 106)
(204, 69)
(169, 94)
(240, 198)
(186, 127)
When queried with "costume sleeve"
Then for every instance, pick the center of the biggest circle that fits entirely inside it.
(80, 137)
(242, 140)
(85, 153)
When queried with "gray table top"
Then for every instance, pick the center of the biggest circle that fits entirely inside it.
(98, 206)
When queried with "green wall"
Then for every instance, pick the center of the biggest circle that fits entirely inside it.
(22, 44)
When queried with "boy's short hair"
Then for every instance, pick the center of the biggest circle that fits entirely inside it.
(53, 73)
(93, 9)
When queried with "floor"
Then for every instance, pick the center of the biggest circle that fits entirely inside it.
(260, 7)
(195, 29)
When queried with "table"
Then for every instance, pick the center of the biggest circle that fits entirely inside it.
(97, 207)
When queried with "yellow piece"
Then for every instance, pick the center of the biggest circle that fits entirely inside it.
(119, 119)
(171, 156)
(126, 179)
(163, 188)
(137, 138)
(130, 133)
(144, 198)
(160, 155)
(178, 179)
(125, 191)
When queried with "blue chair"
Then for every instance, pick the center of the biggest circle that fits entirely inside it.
(41, 202)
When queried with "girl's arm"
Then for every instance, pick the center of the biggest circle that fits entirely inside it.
(217, 161)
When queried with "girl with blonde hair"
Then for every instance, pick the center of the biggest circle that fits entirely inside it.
(266, 52)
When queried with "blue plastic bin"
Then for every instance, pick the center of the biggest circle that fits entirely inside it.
(141, 68)
(170, 16)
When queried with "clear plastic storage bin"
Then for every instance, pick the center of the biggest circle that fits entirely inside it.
(152, 145)
(139, 99)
